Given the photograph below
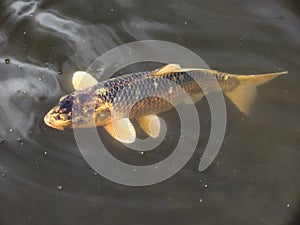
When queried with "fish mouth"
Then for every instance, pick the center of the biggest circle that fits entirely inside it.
(49, 122)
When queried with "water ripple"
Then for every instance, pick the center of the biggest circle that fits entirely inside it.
(23, 86)
(24, 8)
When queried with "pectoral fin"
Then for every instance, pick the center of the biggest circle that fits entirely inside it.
(82, 80)
(122, 130)
(150, 124)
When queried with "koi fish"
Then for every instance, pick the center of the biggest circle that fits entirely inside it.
(93, 103)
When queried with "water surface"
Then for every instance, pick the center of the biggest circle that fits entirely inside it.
(255, 178)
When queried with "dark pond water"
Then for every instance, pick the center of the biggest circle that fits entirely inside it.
(255, 178)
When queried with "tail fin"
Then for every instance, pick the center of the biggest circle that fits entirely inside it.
(244, 93)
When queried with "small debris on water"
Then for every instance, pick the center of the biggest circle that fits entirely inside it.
(142, 153)
(10, 130)
(7, 61)
(45, 153)
(3, 174)
(288, 205)
(200, 200)
(95, 173)
(19, 139)
(1, 140)
(59, 72)
(59, 187)
(205, 186)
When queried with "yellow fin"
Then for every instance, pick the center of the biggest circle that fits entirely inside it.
(242, 97)
(170, 68)
(122, 130)
(82, 80)
(244, 94)
(150, 124)
(256, 80)
(194, 98)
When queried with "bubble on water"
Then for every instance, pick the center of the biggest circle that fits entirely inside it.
(1, 140)
(205, 185)
(59, 72)
(19, 139)
(59, 187)
(142, 153)
(200, 200)
(45, 153)
(95, 173)
(3, 174)
(288, 205)
(7, 61)
(10, 130)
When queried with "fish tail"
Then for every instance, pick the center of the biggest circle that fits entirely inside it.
(244, 93)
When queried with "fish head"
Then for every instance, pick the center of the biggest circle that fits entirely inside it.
(60, 116)
(78, 110)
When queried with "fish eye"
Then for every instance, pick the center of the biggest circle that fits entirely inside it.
(66, 105)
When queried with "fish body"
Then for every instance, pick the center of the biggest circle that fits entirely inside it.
(145, 95)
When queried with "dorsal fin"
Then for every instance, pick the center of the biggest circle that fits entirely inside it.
(82, 80)
(170, 68)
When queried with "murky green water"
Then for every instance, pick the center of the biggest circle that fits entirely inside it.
(255, 178)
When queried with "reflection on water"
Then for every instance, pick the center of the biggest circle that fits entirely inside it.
(44, 179)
